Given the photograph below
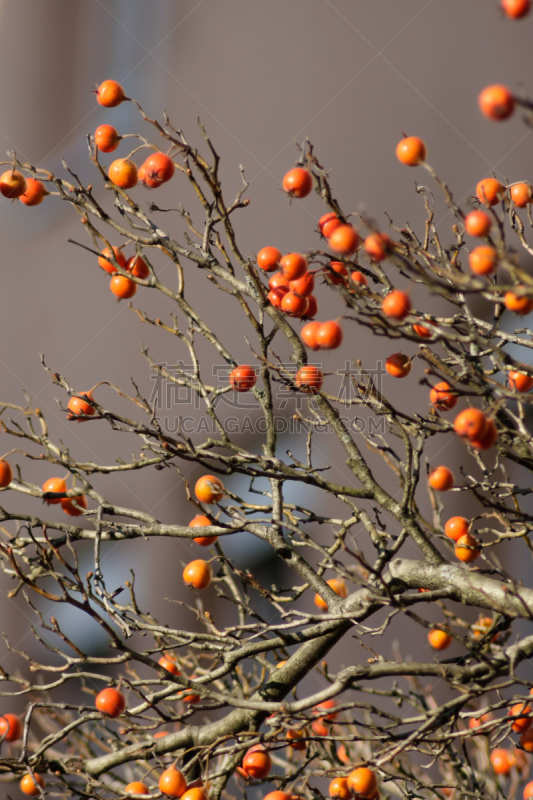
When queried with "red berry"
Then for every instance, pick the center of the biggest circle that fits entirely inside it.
(496, 102)
(329, 336)
(298, 182)
(268, 259)
(242, 379)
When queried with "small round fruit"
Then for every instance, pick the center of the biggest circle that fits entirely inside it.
(520, 381)
(344, 240)
(319, 728)
(338, 586)
(456, 527)
(32, 784)
(336, 273)
(106, 138)
(200, 520)
(148, 181)
(496, 102)
(339, 789)
(197, 574)
(377, 245)
(122, 287)
(396, 304)
(359, 277)
(483, 260)
(71, 505)
(77, 406)
(257, 763)
(209, 489)
(294, 739)
(520, 194)
(411, 151)
(308, 335)
(138, 267)
(169, 663)
(195, 793)
(293, 305)
(489, 191)
(110, 94)
(137, 787)
(278, 281)
(515, 9)
(35, 192)
(441, 479)
(329, 336)
(478, 223)
(275, 296)
(110, 702)
(501, 761)
(159, 166)
(528, 790)
(106, 264)
(298, 182)
(10, 727)
(268, 259)
(56, 485)
(522, 723)
(467, 549)
(304, 286)
(362, 781)
(312, 307)
(519, 304)
(123, 173)
(278, 795)
(439, 640)
(6, 473)
(328, 223)
(172, 782)
(326, 706)
(488, 437)
(526, 740)
(293, 266)
(309, 379)
(422, 331)
(12, 184)
(470, 423)
(243, 378)
(442, 396)
(398, 365)
(476, 722)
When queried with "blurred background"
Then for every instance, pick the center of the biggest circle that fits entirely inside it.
(353, 76)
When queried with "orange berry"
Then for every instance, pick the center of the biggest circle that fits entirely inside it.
(110, 94)
(278, 795)
(243, 378)
(336, 273)
(159, 167)
(411, 151)
(308, 335)
(30, 784)
(342, 754)
(338, 586)
(6, 473)
(528, 790)
(489, 191)
(137, 787)
(12, 184)
(200, 520)
(422, 331)
(439, 640)
(482, 626)
(209, 489)
(520, 381)
(456, 527)
(309, 379)
(198, 574)
(325, 706)
(344, 240)
(257, 763)
(312, 307)
(328, 223)
(77, 406)
(396, 304)
(319, 728)
(339, 789)
(123, 173)
(293, 305)
(377, 245)
(168, 662)
(304, 286)
(149, 181)
(362, 781)
(268, 259)
(441, 479)
(172, 782)
(519, 304)
(275, 296)
(496, 102)
(278, 281)
(35, 192)
(74, 506)
(293, 266)
(122, 287)
(501, 761)
(487, 439)
(195, 793)
(329, 336)
(523, 723)
(515, 9)
(476, 722)
(520, 194)
(466, 548)
(106, 138)
(110, 702)
(470, 423)
(483, 260)
(442, 396)
(138, 267)
(298, 182)
(294, 738)
(56, 485)
(526, 740)
(478, 223)
(398, 365)
(359, 277)
(106, 264)
(10, 727)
